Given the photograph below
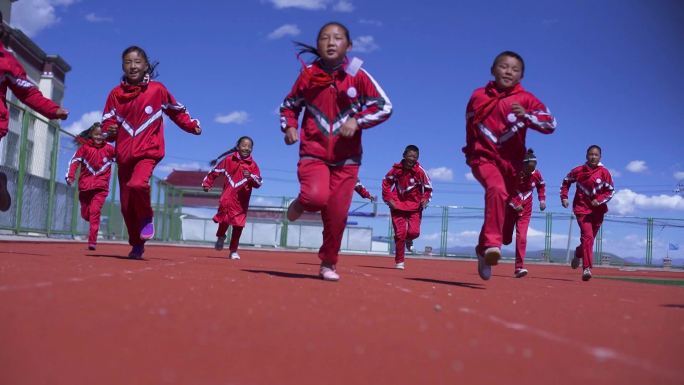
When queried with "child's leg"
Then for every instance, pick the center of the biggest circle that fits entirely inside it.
(521, 227)
(413, 225)
(138, 195)
(235, 238)
(315, 180)
(510, 220)
(586, 240)
(124, 172)
(222, 229)
(399, 223)
(596, 222)
(335, 211)
(96, 203)
(491, 178)
(84, 198)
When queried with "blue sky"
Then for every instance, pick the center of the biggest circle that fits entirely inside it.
(608, 70)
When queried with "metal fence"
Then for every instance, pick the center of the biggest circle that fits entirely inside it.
(35, 154)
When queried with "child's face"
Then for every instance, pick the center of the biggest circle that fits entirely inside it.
(410, 159)
(530, 167)
(96, 135)
(507, 72)
(134, 67)
(245, 148)
(593, 156)
(333, 44)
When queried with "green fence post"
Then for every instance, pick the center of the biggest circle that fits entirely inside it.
(53, 178)
(112, 200)
(23, 144)
(547, 237)
(74, 206)
(285, 224)
(649, 241)
(390, 235)
(445, 232)
(598, 246)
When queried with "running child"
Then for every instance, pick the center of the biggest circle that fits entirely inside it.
(520, 206)
(594, 190)
(95, 158)
(242, 175)
(341, 100)
(407, 190)
(497, 119)
(13, 76)
(133, 119)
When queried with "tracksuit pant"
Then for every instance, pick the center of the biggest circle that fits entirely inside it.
(91, 209)
(234, 237)
(406, 226)
(521, 222)
(497, 190)
(589, 225)
(136, 205)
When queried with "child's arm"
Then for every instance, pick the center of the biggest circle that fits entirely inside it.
(427, 188)
(219, 169)
(362, 191)
(541, 191)
(109, 123)
(179, 114)
(565, 187)
(289, 112)
(537, 116)
(28, 93)
(376, 106)
(607, 190)
(389, 195)
(73, 164)
(255, 177)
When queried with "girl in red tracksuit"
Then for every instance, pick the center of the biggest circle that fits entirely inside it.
(96, 158)
(520, 207)
(133, 118)
(407, 190)
(242, 174)
(497, 118)
(594, 190)
(363, 192)
(340, 100)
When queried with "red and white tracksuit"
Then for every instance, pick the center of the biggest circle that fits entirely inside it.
(592, 183)
(137, 113)
(237, 189)
(93, 183)
(495, 148)
(521, 219)
(361, 190)
(408, 190)
(329, 163)
(13, 76)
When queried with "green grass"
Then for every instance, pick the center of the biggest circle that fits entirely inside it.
(655, 281)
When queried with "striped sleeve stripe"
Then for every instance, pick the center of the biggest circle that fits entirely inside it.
(385, 109)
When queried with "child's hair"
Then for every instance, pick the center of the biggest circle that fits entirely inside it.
(84, 135)
(306, 48)
(596, 146)
(151, 66)
(529, 156)
(411, 147)
(234, 149)
(513, 55)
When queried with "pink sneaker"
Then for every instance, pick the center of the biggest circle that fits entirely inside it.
(295, 210)
(328, 273)
(147, 231)
(91, 246)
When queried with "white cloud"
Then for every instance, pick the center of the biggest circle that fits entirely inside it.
(165, 168)
(84, 122)
(627, 201)
(470, 177)
(365, 44)
(343, 6)
(284, 30)
(93, 18)
(374, 22)
(615, 173)
(636, 166)
(679, 175)
(235, 117)
(301, 4)
(33, 16)
(441, 174)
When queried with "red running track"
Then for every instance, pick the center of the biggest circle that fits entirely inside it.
(189, 316)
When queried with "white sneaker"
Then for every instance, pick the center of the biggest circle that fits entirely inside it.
(219, 243)
(492, 256)
(234, 255)
(586, 274)
(409, 246)
(483, 269)
(328, 273)
(519, 273)
(399, 266)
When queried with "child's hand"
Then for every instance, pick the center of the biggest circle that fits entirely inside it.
(112, 131)
(518, 110)
(542, 205)
(423, 204)
(245, 173)
(198, 130)
(595, 203)
(61, 113)
(373, 198)
(291, 136)
(69, 181)
(565, 203)
(206, 189)
(349, 128)
(391, 205)
(518, 208)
